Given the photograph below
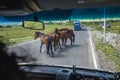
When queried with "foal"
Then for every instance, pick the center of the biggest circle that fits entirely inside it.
(47, 40)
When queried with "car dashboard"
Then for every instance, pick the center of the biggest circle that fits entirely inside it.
(47, 72)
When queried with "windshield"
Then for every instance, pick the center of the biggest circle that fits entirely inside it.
(85, 37)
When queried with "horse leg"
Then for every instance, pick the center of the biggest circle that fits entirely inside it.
(47, 49)
(65, 42)
(62, 42)
(51, 50)
(73, 37)
(41, 47)
(71, 40)
(59, 45)
(48, 46)
(54, 45)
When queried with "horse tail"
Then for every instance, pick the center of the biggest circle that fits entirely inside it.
(55, 32)
(55, 42)
(48, 44)
(49, 41)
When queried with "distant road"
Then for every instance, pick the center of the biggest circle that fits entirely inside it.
(80, 53)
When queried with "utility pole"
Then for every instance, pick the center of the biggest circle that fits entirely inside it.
(104, 24)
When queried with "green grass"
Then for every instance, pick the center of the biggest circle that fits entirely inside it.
(8, 34)
(111, 53)
(115, 26)
(19, 34)
(33, 25)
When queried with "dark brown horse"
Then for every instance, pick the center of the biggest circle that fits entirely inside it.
(63, 37)
(66, 33)
(47, 40)
(71, 35)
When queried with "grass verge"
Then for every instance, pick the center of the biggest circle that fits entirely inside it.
(110, 52)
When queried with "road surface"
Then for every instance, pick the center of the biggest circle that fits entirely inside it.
(79, 53)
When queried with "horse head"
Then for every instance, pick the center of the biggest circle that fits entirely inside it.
(56, 31)
(36, 35)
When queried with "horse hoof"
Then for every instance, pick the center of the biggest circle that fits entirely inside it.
(60, 48)
(52, 55)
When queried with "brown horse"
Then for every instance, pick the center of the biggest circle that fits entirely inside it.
(47, 40)
(71, 35)
(55, 40)
(66, 33)
(63, 37)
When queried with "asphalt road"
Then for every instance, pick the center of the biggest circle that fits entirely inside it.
(79, 53)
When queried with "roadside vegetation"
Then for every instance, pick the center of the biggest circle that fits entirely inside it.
(16, 34)
(111, 53)
(114, 26)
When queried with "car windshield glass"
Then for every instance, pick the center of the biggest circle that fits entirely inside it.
(85, 37)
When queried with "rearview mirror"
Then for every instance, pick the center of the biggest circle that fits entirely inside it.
(35, 25)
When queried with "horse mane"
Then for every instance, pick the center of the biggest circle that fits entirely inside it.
(67, 31)
(39, 33)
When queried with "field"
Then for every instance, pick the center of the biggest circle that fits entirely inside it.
(115, 26)
(19, 34)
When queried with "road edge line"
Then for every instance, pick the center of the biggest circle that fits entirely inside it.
(93, 50)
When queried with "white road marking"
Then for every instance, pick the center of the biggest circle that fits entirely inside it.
(93, 51)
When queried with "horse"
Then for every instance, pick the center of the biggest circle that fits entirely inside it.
(63, 36)
(47, 40)
(71, 35)
(55, 40)
(66, 33)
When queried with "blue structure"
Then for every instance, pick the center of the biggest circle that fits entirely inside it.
(77, 26)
